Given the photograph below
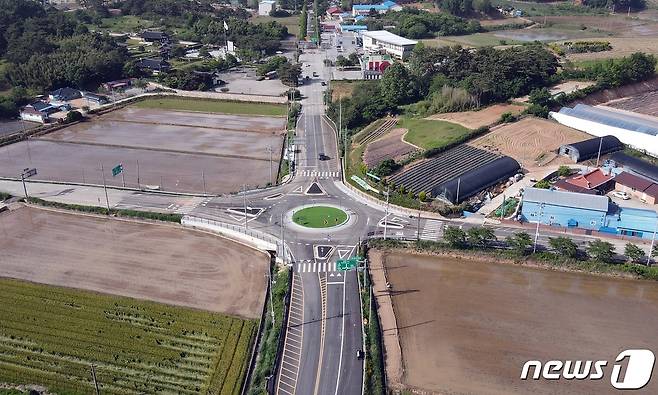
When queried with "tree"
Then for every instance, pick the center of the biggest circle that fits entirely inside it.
(422, 196)
(396, 85)
(73, 116)
(303, 22)
(454, 236)
(601, 251)
(480, 236)
(386, 167)
(289, 73)
(634, 253)
(541, 97)
(543, 184)
(564, 246)
(520, 242)
(563, 171)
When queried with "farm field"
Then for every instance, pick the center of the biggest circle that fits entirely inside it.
(429, 134)
(291, 22)
(646, 103)
(615, 25)
(391, 146)
(341, 89)
(213, 106)
(163, 263)
(471, 40)
(170, 150)
(479, 118)
(531, 141)
(50, 336)
(123, 24)
(468, 327)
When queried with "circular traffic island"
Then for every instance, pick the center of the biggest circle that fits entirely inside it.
(318, 217)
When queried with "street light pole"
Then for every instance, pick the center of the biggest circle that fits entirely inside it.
(388, 193)
(203, 178)
(598, 156)
(107, 199)
(541, 212)
(244, 199)
(269, 149)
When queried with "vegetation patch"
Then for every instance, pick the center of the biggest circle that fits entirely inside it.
(51, 336)
(103, 211)
(319, 217)
(213, 106)
(429, 134)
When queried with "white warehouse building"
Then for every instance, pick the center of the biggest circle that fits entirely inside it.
(384, 41)
(638, 131)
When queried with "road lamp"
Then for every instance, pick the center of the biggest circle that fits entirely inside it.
(541, 212)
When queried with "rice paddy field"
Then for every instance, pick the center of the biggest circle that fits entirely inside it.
(52, 336)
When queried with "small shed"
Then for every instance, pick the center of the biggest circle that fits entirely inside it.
(589, 149)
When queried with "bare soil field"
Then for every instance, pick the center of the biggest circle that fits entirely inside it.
(170, 171)
(468, 327)
(646, 103)
(391, 146)
(176, 150)
(476, 119)
(565, 87)
(531, 141)
(608, 95)
(162, 263)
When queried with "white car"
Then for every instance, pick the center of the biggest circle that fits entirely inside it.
(621, 195)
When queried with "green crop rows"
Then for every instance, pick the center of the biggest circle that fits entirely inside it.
(51, 336)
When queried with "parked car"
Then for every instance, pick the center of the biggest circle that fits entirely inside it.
(323, 83)
(359, 354)
(621, 195)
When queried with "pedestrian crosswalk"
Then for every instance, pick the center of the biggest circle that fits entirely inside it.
(315, 266)
(431, 230)
(320, 174)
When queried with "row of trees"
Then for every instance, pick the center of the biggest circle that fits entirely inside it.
(414, 23)
(521, 243)
(465, 7)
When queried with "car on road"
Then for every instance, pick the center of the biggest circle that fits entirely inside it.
(323, 83)
(359, 354)
(322, 156)
(621, 195)
(315, 74)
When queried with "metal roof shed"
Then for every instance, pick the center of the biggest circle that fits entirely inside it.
(566, 199)
(589, 149)
(461, 188)
(635, 165)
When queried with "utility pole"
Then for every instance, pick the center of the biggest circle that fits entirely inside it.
(459, 182)
(653, 242)
(107, 199)
(138, 184)
(271, 276)
(541, 212)
(123, 178)
(203, 178)
(283, 239)
(502, 209)
(598, 157)
(24, 187)
(418, 227)
(269, 149)
(93, 376)
(388, 193)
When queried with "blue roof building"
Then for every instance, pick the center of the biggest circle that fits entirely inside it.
(353, 28)
(591, 212)
(364, 9)
(561, 208)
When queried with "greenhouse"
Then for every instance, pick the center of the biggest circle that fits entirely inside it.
(635, 130)
(471, 183)
(592, 148)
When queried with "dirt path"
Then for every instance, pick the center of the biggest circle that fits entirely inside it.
(392, 351)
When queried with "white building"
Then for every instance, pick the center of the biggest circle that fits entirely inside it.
(638, 131)
(266, 6)
(384, 41)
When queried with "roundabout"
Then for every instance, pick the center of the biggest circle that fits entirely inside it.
(320, 217)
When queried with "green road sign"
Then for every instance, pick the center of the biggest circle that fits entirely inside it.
(118, 169)
(347, 264)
